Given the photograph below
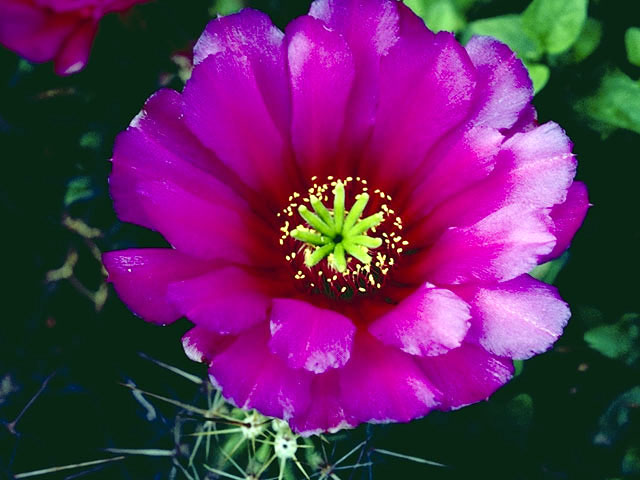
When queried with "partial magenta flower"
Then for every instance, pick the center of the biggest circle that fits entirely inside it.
(58, 30)
(353, 207)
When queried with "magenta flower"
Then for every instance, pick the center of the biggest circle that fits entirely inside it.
(58, 30)
(353, 206)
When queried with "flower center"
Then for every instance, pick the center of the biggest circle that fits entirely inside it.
(337, 235)
(338, 248)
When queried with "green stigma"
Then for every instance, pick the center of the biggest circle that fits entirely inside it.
(337, 234)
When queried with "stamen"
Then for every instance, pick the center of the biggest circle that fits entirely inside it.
(318, 254)
(356, 212)
(322, 212)
(364, 225)
(339, 258)
(331, 251)
(365, 241)
(315, 221)
(338, 205)
(337, 241)
(308, 236)
(357, 251)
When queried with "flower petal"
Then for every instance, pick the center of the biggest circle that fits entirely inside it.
(533, 169)
(35, 33)
(499, 247)
(382, 384)
(309, 337)
(516, 319)
(504, 87)
(459, 160)
(74, 54)
(325, 413)
(251, 34)
(321, 71)
(466, 374)
(201, 345)
(202, 229)
(227, 301)
(141, 277)
(426, 89)
(539, 166)
(157, 146)
(567, 218)
(429, 322)
(252, 377)
(527, 121)
(370, 29)
(467, 154)
(236, 101)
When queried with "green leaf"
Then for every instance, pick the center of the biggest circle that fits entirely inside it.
(617, 417)
(518, 367)
(548, 272)
(24, 66)
(631, 462)
(632, 42)
(91, 140)
(588, 40)
(507, 29)
(7, 387)
(78, 189)
(616, 104)
(539, 74)
(225, 7)
(556, 23)
(620, 341)
(439, 15)
(520, 410)
(464, 5)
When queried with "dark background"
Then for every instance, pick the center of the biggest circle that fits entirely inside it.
(550, 422)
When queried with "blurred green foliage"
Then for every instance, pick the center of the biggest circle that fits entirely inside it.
(617, 418)
(616, 103)
(441, 15)
(588, 40)
(510, 30)
(554, 24)
(632, 42)
(619, 341)
(78, 189)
